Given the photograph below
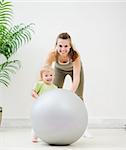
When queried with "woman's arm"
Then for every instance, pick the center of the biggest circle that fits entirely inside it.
(76, 74)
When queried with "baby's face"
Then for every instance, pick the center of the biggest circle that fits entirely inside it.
(48, 77)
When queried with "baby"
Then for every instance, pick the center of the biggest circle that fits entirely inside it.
(45, 83)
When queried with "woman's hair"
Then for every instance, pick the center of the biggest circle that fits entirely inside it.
(46, 68)
(72, 53)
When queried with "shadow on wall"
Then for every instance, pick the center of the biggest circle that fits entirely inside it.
(0, 115)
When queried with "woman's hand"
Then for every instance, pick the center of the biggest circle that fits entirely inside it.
(72, 88)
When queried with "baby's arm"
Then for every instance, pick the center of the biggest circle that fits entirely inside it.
(35, 90)
(34, 94)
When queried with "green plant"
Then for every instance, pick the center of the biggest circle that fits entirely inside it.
(12, 37)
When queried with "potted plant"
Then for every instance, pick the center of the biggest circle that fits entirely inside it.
(12, 37)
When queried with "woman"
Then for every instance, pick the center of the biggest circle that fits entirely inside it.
(67, 62)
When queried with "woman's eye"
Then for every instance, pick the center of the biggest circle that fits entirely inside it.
(66, 45)
(60, 45)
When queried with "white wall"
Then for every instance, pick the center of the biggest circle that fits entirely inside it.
(98, 30)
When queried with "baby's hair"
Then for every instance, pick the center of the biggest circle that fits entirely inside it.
(46, 68)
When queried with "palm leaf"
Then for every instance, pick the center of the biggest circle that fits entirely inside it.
(5, 13)
(7, 69)
(12, 37)
(21, 34)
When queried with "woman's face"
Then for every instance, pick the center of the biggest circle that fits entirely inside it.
(63, 46)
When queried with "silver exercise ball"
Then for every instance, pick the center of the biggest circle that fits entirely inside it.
(59, 117)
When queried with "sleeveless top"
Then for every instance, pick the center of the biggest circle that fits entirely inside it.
(68, 66)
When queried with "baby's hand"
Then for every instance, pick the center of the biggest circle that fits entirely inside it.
(34, 94)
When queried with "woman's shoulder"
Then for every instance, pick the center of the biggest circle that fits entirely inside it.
(52, 57)
(52, 53)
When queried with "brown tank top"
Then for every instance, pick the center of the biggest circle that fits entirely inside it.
(64, 66)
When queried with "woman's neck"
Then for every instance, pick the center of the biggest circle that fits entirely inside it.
(63, 58)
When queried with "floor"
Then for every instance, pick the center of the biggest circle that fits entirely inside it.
(103, 139)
